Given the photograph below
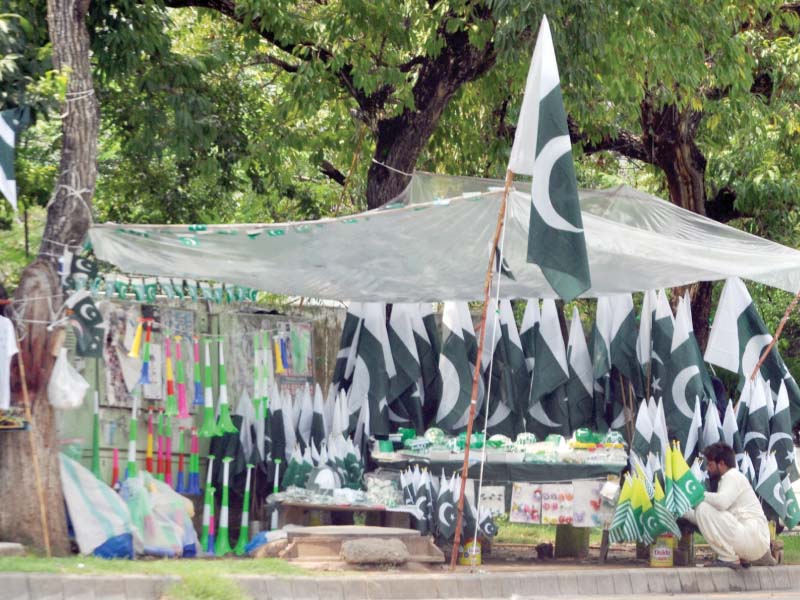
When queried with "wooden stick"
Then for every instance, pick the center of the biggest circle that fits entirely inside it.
(34, 455)
(476, 375)
(778, 332)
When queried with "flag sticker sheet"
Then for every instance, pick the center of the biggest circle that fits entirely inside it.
(587, 505)
(557, 501)
(493, 499)
(526, 503)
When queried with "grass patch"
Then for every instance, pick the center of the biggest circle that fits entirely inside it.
(204, 587)
(791, 549)
(189, 568)
(521, 533)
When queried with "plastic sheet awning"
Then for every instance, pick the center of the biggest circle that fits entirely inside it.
(433, 243)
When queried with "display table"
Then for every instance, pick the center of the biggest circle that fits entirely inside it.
(300, 513)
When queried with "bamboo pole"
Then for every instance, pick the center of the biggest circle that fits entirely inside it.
(34, 455)
(778, 332)
(476, 375)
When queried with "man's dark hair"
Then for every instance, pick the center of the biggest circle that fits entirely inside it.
(721, 453)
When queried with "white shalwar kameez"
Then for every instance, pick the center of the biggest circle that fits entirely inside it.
(732, 520)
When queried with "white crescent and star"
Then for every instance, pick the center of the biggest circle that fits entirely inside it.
(552, 151)
(752, 352)
(679, 389)
(537, 412)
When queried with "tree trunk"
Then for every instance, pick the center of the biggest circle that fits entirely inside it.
(670, 139)
(68, 220)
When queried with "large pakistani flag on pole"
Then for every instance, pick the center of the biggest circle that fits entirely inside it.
(547, 406)
(542, 148)
(11, 123)
(661, 336)
(580, 387)
(405, 400)
(531, 320)
(426, 335)
(624, 336)
(738, 338)
(346, 357)
(455, 371)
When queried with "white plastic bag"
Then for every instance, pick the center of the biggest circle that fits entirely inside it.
(66, 387)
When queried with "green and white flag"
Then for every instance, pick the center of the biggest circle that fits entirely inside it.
(373, 371)
(712, 428)
(684, 381)
(446, 508)
(580, 386)
(739, 336)
(471, 343)
(624, 526)
(792, 517)
(730, 432)
(694, 435)
(600, 348)
(769, 487)
(346, 357)
(542, 148)
(429, 345)
(12, 121)
(405, 401)
(756, 429)
(645, 340)
(663, 328)
(547, 405)
(318, 430)
(642, 443)
(455, 371)
(531, 320)
(780, 439)
(305, 415)
(624, 336)
(660, 433)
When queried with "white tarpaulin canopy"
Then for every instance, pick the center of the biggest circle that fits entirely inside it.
(433, 243)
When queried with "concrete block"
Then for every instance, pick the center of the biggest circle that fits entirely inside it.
(567, 583)
(276, 588)
(622, 583)
(330, 588)
(305, 588)
(640, 584)
(705, 581)
(655, 582)
(15, 586)
(548, 584)
(252, 585)
(45, 587)
(511, 585)
(794, 576)
(354, 588)
(782, 579)
(468, 585)
(688, 581)
(109, 588)
(587, 584)
(605, 583)
(491, 585)
(446, 586)
(672, 582)
(721, 579)
(364, 551)
(77, 587)
(140, 587)
(11, 549)
(737, 581)
(766, 578)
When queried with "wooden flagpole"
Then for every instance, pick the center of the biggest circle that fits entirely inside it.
(476, 375)
(778, 332)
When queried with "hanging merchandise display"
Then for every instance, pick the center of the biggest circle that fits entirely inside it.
(148, 456)
(115, 468)
(180, 380)
(209, 427)
(194, 466)
(145, 377)
(212, 527)
(96, 437)
(181, 486)
(244, 529)
(222, 544)
(208, 508)
(225, 424)
(160, 453)
(131, 468)
(198, 399)
(171, 408)
(168, 451)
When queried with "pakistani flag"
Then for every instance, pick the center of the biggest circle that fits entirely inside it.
(405, 386)
(305, 415)
(346, 357)
(738, 338)
(624, 527)
(11, 123)
(686, 491)
(542, 149)
(446, 509)
(643, 442)
(455, 371)
(600, 347)
(504, 360)
(374, 369)
(694, 434)
(730, 433)
(531, 320)
(426, 335)
(660, 433)
(756, 428)
(644, 342)
(661, 344)
(318, 429)
(547, 405)
(580, 386)
(780, 439)
(624, 336)
(684, 379)
(769, 487)
(712, 429)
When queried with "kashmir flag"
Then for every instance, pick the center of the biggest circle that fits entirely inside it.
(547, 405)
(12, 121)
(624, 526)
(404, 399)
(666, 519)
(580, 386)
(643, 511)
(738, 338)
(687, 491)
(346, 357)
(624, 336)
(531, 321)
(780, 439)
(756, 428)
(455, 371)
(374, 369)
(542, 149)
(769, 487)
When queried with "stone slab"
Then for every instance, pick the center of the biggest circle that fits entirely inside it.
(11, 549)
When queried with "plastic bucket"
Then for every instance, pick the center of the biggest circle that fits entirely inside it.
(662, 551)
(469, 554)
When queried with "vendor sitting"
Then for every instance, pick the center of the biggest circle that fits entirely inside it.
(731, 519)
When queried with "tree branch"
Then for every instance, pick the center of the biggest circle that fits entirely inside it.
(327, 169)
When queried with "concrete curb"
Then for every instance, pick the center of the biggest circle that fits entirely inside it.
(538, 583)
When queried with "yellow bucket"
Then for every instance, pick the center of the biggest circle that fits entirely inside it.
(469, 554)
(662, 551)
